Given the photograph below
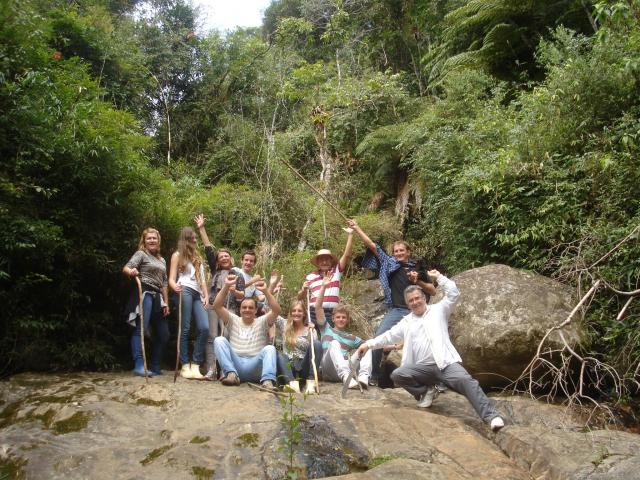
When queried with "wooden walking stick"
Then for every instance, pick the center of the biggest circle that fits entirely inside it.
(175, 373)
(315, 190)
(313, 349)
(140, 306)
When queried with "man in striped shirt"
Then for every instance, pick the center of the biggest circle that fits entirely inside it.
(326, 262)
(247, 355)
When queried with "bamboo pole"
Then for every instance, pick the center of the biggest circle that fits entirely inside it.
(141, 307)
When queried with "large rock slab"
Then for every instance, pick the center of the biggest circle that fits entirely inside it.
(502, 315)
(106, 426)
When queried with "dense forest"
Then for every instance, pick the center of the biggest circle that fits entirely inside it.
(483, 131)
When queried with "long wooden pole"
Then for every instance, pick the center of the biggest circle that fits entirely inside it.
(315, 190)
(141, 307)
(313, 349)
(175, 373)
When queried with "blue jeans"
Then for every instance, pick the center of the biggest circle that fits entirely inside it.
(159, 332)
(260, 367)
(288, 372)
(192, 306)
(391, 318)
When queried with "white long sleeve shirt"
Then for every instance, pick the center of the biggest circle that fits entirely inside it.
(426, 336)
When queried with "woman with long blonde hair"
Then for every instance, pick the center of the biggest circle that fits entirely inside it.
(148, 264)
(294, 362)
(187, 276)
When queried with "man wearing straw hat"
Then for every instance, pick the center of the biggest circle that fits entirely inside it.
(327, 262)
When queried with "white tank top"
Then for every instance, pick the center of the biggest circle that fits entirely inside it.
(187, 278)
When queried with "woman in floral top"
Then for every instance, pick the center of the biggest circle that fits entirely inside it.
(294, 362)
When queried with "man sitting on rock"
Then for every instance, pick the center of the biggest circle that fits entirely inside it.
(246, 356)
(428, 356)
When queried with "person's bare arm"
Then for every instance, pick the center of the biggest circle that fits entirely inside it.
(273, 303)
(348, 249)
(365, 238)
(199, 219)
(320, 318)
(173, 273)
(218, 303)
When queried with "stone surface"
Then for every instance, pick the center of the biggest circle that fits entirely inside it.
(502, 315)
(134, 429)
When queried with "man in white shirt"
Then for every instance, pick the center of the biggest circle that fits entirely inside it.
(428, 356)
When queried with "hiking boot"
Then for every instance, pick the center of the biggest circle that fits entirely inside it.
(311, 387)
(293, 386)
(186, 372)
(496, 424)
(195, 372)
(231, 379)
(269, 385)
(441, 387)
(427, 398)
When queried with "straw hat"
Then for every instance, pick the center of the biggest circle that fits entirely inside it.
(324, 253)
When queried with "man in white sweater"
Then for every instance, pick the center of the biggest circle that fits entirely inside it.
(428, 356)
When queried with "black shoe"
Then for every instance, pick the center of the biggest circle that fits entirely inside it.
(373, 382)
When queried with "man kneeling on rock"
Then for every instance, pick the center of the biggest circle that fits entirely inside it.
(428, 356)
(246, 356)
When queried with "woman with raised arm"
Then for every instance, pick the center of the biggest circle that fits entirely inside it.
(147, 264)
(396, 272)
(187, 277)
(220, 265)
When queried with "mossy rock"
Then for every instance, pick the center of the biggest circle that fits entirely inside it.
(75, 423)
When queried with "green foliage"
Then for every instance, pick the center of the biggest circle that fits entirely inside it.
(290, 422)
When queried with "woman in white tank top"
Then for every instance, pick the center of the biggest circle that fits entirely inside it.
(187, 276)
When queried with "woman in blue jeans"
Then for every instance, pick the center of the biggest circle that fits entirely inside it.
(187, 277)
(148, 264)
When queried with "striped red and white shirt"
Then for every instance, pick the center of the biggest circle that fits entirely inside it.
(331, 293)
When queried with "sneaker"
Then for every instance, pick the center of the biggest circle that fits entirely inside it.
(269, 385)
(310, 388)
(496, 424)
(210, 376)
(293, 386)
(186, 372)
(441, 387)
(231, 379)
(195, 372)
(353, 384)
(364, 382)
(427, 398)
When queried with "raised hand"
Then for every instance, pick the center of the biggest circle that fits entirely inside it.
(261, 285)
(230, 281)
(433, 273)
(199, 219)
(326, 280)
(349, 230)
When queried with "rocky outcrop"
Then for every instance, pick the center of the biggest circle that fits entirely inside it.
(106, 426)
(502, 315)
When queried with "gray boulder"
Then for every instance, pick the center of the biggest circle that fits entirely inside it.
(502, 315)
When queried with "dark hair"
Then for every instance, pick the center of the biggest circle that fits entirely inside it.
(249, 252)
(255, 303)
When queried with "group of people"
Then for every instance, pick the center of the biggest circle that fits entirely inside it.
(242, 337)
